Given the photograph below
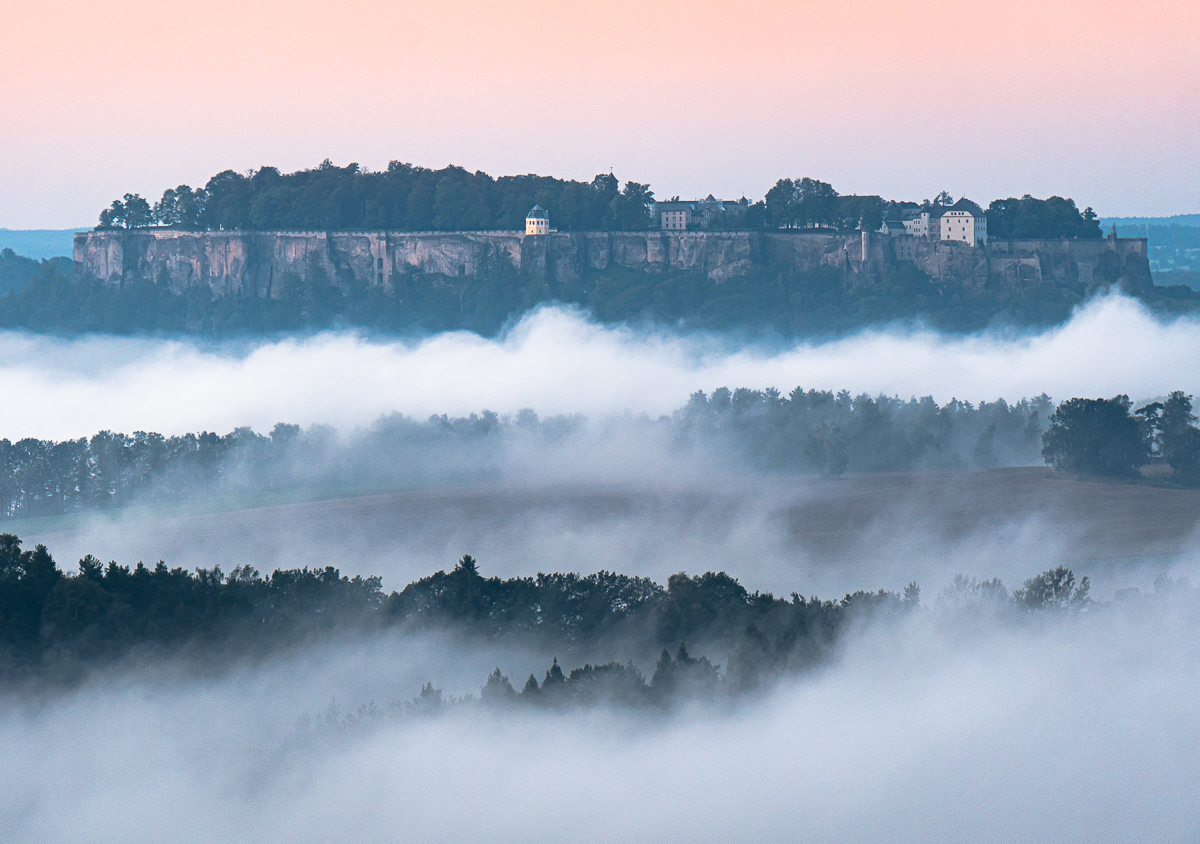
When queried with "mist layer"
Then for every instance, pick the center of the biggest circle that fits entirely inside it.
(1078, 729)
(558, 362)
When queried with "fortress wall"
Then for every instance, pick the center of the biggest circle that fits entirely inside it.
(264, 263)
(1080, 265)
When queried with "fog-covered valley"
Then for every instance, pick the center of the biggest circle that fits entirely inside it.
(952, 720)
(1078, 728)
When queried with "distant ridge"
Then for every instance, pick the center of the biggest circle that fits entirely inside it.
(1176, 220)
(40, 243)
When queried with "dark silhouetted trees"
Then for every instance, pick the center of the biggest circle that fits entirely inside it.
(400, 198)
(55, 627)
(1040, 219)
(1054, 589)
(1096, 437)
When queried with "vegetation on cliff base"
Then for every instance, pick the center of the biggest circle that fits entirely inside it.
(768, 299)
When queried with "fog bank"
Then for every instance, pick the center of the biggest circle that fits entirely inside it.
(557, 362)
(1074, 729)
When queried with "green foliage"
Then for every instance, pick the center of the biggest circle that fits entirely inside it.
(1096, 437)
(630, 211)
(820, 431)
(131, 213)
(802, 203)
(1040, 219)
(16, 271)
(1170, 428)
(1054, 589)
(401, 198)
(51, 619)
(56, 627)
(811, 431)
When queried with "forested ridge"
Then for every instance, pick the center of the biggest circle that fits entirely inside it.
(56, 627)
(811, 431)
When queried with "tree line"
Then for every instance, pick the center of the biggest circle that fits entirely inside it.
(401, 198)
(56, 626)
(1109, 438)
(810, 431)
(404, 197)
(805, 431)
(834, 433)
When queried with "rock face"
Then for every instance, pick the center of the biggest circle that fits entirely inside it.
(264, 263)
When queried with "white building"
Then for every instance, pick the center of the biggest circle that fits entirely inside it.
(537, 221)
(964, 221)
(917, 224)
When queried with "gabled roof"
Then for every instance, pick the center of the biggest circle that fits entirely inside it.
(674, 205)
(962, 205)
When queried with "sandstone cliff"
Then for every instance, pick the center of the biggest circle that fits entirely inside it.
(262, 263)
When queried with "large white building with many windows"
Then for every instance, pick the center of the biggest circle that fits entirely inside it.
(964, 221)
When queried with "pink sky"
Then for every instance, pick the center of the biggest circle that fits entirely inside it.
(1096, 100)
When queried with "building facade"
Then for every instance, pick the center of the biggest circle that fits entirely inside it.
(675, 216)
(681, 214)
(962, 222)
(537, 221)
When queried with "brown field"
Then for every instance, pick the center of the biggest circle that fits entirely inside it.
(866, 531)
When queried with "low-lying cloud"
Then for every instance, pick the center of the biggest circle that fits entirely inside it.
(1067, 729)
(557, 362)
(1078, 728)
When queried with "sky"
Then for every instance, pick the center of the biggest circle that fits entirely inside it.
(1096, 100)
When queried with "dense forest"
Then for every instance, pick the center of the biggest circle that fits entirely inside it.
(56, 626)
(16, 271)
(805, 431)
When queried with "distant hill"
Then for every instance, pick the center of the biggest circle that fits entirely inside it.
(1177, 220)
(39, 243)
(1173, 242)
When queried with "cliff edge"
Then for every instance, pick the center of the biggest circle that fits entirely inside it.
(264, 263)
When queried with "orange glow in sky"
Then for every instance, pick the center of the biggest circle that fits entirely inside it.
(1097, 100)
